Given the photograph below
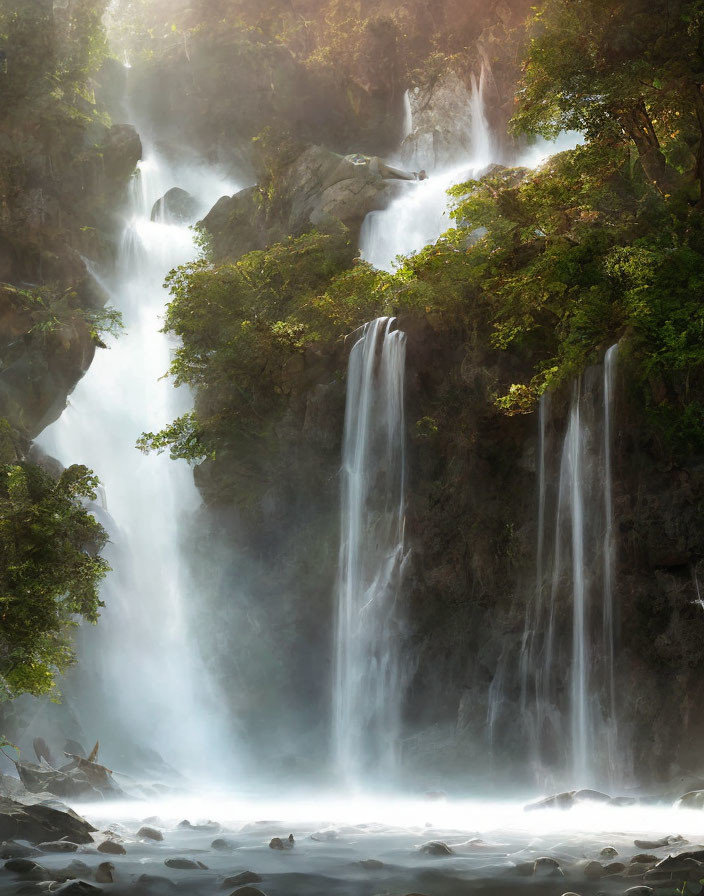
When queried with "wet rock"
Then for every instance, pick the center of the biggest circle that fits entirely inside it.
(248, 891)
(591, 796)
(41, 823)
(558, 801)
(77, 888)
(184, 825)
(525, 869)
(104, 873)
(148, 833)
(692, 800)
(593, 870)
(80, 779)
(615, 868)
(608, 852)
(545, 866)
(644, 858)
(75, 870)
(672, 840)
(121, 150)
(58, 846)
(27, 868)
(371, 864)
(176, 206)
(278, 843)
(638, 891)
(12, 850)
(436, 848)
(244, 877)
(223, 844)
(112, 847)
(184, 864)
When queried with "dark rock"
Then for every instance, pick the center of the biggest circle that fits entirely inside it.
(608, 852)
(559, 801)
(548, 867)
(104, 873)
(58, 846)
(248, 891)
(183, 864)
(148, 833)
(593, 870)
(436, 848)
(371, 864)
(672, 840)
(638, 891)
(692, 800)
(176, 206)
(40, 823)
(615, 868)
(12, 850)
(244, 877)
(644, 859)
(77, 888)
(112, 847)
(278, 843)
(22, 866)
(75, 870)
(121, 150)
(223, 843)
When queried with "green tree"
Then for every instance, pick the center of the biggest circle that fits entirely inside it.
(622, 69)
(50, 570)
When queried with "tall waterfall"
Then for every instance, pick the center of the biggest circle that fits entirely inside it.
(367, 687)
(140, 684)
(567, 659)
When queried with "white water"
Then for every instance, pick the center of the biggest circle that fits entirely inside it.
(420, 215)
(368, 681)
(581, 571)
(141, 683)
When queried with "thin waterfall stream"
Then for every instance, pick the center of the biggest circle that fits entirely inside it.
(368, 675)
(571, 621)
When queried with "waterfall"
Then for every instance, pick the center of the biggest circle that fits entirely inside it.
(140, 684)
(566, 664)
(419, 216)
(367, 685)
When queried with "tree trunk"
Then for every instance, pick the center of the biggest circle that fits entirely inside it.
(639, 128)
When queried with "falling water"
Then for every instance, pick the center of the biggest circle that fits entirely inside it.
(569, 638)
(141, 685)
(367, 677)
(419, 216)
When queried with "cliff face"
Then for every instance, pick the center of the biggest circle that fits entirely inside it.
(472, 529)
(63, 171)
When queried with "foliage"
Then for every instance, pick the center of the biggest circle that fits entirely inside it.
(50, 569)
(622, 69)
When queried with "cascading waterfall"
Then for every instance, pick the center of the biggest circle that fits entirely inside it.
(140, 684)
(419, 216)
(575, 629)
(368, 679)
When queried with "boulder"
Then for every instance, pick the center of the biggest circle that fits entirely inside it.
(58, 846)
(238, 880)
(692, 800)
(176, 206)
(223, 844)
(112, 847)
(278, 843)
(41, 823)
(104, 873)
(121, 149)
(149, 833)
(436, 848)
(12, 850)
(558, 801)
(183, 864)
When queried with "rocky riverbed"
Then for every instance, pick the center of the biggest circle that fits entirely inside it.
(430, 846)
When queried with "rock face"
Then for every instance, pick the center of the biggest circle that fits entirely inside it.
(39, 823)
(176, 206)
(441, 116)
(318, 189)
